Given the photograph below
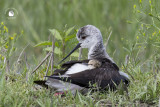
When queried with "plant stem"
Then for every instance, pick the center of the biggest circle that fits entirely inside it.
(52, 59)
(41, 62)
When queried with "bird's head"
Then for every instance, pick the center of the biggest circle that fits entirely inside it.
(88, 36)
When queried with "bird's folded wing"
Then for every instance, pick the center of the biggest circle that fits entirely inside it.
(70, 63)
(41, 82)
(88, 78)
(59, 72)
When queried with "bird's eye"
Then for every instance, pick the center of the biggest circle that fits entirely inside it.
(83, 37)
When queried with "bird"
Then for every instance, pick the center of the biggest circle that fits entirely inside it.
(82, 75)
(93, 63)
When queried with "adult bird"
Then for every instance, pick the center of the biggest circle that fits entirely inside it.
(78, 75)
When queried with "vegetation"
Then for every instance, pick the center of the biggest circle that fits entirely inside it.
(134, 27)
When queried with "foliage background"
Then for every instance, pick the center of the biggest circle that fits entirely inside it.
(135, 26)
(36, 17)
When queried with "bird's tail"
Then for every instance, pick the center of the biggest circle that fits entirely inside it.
(41, 83)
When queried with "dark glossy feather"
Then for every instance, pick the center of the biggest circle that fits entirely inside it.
(41, 82)
(104, 76)
(70, 63)
(67, 65)
(59, 72)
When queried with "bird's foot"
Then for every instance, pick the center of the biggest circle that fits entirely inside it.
(60, 94)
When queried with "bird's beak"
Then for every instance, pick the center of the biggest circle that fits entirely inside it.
(78, 45)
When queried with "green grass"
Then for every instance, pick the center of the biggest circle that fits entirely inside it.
(144, 90)
(36, 17)
(135, 27)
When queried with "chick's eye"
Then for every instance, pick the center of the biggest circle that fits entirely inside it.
(83, 37)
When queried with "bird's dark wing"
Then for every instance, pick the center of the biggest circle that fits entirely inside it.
(41, 82)
(107, 75)
(70, 63)
(104, 60)
(66, 66)
(59, 72)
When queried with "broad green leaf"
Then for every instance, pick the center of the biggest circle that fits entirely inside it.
(72, 41)
(150, 14)
(56, 34)
(56, 44)
(43, 43)
(69, 31)
(46, 43)
(69, 37)
(75, 54)
(48, 49)
(56, 50)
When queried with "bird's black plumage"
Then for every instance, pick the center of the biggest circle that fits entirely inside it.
(106, 76)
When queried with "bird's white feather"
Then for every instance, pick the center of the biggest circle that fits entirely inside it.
(77, 68)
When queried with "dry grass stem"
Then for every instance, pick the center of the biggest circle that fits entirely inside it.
(25, 58)
(108, 40)
(48, 65)
(7, 66)
(41, 62)
(52, 59)
(19, 58)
